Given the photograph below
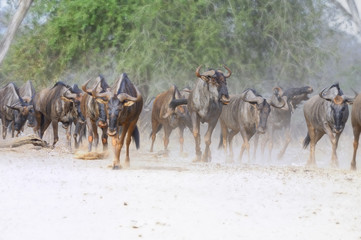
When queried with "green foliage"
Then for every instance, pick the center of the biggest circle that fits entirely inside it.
(161, 42)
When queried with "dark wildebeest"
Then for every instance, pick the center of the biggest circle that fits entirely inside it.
(13, 109)
(95, 114)
(205, 105)
(280, 118)
(27, 92)
(356, 126)
(124, 103)
(326, 113)
(164, 116)
(61, 103)
(247, 114)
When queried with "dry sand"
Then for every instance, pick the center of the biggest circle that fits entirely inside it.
(48, 194)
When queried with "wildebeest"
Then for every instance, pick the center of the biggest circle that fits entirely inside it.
(61, 103)
(205, 103)
(246, 113)
(325, 113)
(27, 92)
(356, 127)
(280, 118)
(13, 109)
(124, 103)
(164, 116)
(94, 112)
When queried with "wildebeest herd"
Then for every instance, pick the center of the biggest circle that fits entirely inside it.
(116, 110)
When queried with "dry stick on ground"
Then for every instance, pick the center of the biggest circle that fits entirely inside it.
(31, 139)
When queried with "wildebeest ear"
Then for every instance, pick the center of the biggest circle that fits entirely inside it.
(65, 99)
(128, 103)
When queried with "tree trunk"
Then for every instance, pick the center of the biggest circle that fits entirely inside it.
(355, 14)
(13, 26)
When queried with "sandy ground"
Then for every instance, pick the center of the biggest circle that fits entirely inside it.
(48, 194)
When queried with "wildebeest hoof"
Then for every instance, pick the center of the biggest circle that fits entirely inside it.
(116, 167)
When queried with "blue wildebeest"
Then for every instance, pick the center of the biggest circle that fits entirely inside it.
(247, 114)
(164, 116)
(356, 127)
(27, 92)
(325, 113)
(13, 109)
(280, 118)
(205, 103)
(95, 113)
(61, 103)
(124, 103)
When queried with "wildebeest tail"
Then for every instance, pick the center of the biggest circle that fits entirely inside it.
(306, 141)
(136, 137)
(158, 129)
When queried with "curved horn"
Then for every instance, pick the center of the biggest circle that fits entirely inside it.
(280, 104)
(106, 94)
(229, 72)
(321, 95)
(197, 71)
(124, 96)
(84, 87)
(277, 90)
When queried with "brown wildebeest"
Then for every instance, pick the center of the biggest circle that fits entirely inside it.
(356, 126)
(205, 103)
(326, 113)
(246, 113)
(61, 103)
(280, 118)
(124, 103)
(94, 112)
(164, 116)
(13, 109)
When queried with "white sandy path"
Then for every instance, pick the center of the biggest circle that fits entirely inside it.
(48, 195)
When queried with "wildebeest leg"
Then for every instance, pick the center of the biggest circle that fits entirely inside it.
(196, 135)
(90, 134)
(118, 144)
(55, 131)
(256, 138)
(181, 138)
(12, 129)
(131, 128)
(155, 126)
(105, 138)
(95, 134)
(245, 145)
(356, 136)
(230, 141)
(287, 141)
(224, 136)
(167, 132)
(43, 127)
(207, 140)
(5, 126)
(334, 142)
(270, 145)
(68, 135)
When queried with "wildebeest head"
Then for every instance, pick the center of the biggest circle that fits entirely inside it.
(74, 95)
(262, 106)
(296, 95)
(27, 92)
(118, 101)
(217, 82)
(339, 109)
(22, 110)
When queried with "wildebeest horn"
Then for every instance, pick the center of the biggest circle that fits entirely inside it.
(249, 96)
(83, 87)
(229, 72)
(278, 104)
(14, 107)
(107, 95)
(277, 90)
(197, 71)
(124, 96)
